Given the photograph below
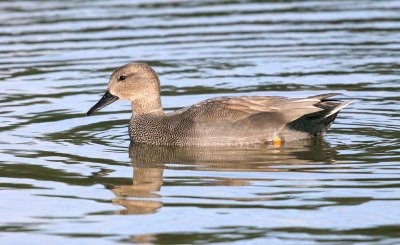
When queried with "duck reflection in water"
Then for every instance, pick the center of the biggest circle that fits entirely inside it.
(149, 163)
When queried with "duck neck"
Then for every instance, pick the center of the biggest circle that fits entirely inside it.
(147, 105)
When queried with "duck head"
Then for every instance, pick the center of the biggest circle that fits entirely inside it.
(137, 82)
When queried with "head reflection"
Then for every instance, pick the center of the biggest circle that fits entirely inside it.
(149, 163)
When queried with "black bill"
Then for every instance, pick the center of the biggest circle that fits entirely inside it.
(107, 99)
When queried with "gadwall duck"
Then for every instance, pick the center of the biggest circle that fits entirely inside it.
(240, 120)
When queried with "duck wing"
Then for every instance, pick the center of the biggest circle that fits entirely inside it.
(233, 109)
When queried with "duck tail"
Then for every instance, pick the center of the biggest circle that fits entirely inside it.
(331, 108)
(319, 122)
(330, 117)
(336, 109)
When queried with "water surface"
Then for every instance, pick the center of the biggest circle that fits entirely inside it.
(67, 178)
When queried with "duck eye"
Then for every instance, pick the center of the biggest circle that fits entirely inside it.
(122, 78)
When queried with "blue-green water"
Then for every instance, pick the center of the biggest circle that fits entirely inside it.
(70, 179)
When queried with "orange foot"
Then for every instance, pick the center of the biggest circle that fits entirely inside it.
(277, 141)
